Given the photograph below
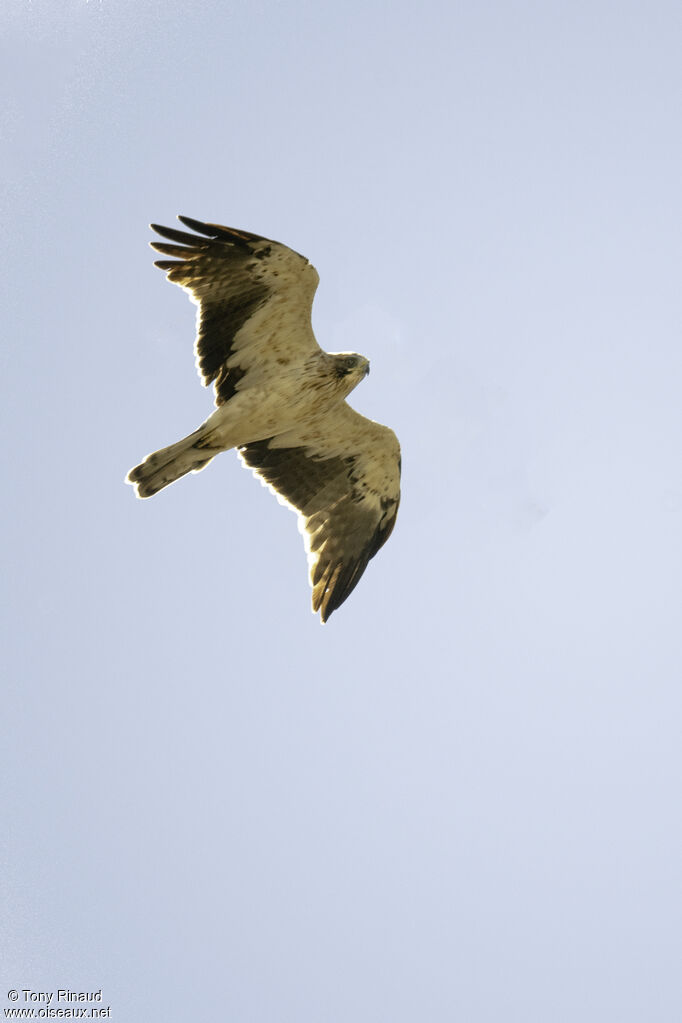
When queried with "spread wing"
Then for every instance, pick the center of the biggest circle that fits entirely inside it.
(342, 476)
(254, 296)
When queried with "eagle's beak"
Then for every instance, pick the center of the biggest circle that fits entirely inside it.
(367, 368)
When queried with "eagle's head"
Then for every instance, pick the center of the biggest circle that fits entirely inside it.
(350, 367)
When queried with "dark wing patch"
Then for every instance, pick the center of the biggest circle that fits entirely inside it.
(227, 274)
(346, 524)
(217, 327)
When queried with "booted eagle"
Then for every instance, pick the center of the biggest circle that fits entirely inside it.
(281, 401)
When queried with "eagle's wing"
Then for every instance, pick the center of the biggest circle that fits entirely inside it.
(342, 475)
(250, 292)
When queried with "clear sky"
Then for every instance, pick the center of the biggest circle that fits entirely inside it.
(460, 799)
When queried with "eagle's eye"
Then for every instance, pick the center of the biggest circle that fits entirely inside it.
(350, 362)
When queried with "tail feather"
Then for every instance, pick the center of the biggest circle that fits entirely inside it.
(167, 465)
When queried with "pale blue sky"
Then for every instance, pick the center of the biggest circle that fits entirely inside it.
(459, 800)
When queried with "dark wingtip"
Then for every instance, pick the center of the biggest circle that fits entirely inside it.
(198, 225)
(221, 233)
(167, 264)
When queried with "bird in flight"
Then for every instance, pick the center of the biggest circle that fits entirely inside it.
(281, 402)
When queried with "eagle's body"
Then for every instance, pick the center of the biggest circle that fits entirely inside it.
(281, 402)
